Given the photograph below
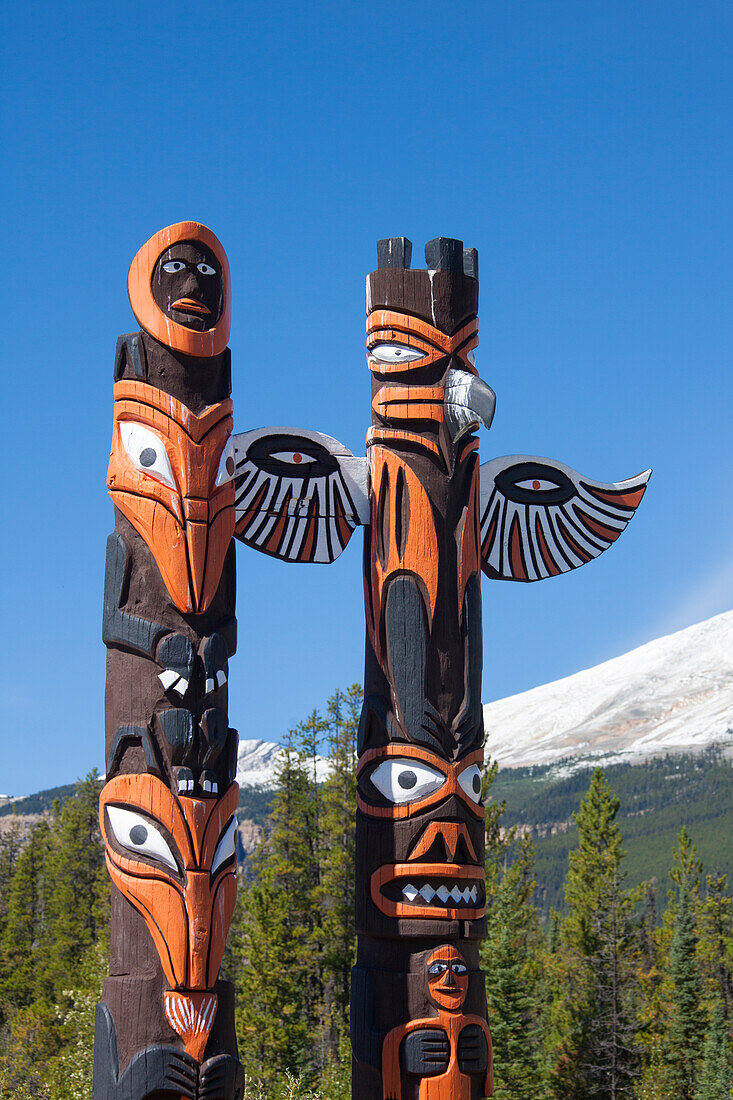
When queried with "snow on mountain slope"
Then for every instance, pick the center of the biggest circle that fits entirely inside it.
(257, 762)
(674, 694)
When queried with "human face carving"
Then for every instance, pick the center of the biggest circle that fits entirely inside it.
(187, 285)
(447, 978)
(430, 814)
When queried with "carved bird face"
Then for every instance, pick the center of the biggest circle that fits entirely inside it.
(174, 859)
(187, 285)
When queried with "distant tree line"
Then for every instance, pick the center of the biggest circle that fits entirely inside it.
(625, 993)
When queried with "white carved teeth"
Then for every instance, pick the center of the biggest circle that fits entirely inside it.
(427, 892)
(209, 685)
(169, 678)
(221, 677)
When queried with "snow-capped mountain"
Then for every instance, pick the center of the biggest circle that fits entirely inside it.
(257, 763)
(674, 694)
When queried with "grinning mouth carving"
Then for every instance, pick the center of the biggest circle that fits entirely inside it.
(191, 305)
(437, 891)
(428, 892)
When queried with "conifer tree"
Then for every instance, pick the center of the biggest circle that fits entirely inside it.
(715, 949)
(336, 892)
(716, 1073)
(594, 1011)
(510, 958)
(686, 1027)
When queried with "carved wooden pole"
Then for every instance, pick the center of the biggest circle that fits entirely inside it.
(165, 1025)
(418, 1004)
(434, 520)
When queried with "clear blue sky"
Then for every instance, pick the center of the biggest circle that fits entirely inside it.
(583, 147)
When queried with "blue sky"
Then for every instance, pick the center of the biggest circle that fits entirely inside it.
(583, 148)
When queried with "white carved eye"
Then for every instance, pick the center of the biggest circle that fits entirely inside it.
(395, 353)
(406, 780)
(459, 968)
(147, 451)
(206, 269)
(296, 458)
(437, 968)
(470, 782)
(227, 846)
(138, 834)
(172, 266)
(227, 466)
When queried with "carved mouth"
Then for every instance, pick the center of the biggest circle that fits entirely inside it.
(191, 305)
(436, 891)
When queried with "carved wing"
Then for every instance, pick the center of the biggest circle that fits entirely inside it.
(298, 495)
(540, 518)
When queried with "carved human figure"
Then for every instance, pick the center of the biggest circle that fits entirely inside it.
(447, 1052)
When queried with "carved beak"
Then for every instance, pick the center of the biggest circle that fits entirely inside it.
(468, 402)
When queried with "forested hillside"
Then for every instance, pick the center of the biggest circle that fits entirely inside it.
(628, 992)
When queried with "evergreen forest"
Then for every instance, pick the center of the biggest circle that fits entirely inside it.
(622, 987)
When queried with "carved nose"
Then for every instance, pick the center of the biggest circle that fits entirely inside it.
(197, 538)
(198, 906)
(444, 840)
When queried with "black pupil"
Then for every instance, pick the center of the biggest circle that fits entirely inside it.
(407, 779)
(476, 784)
(229, 465)
(138, 834)
(147, 456)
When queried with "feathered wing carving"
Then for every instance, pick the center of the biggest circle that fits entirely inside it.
(540, 518)
(298, 495)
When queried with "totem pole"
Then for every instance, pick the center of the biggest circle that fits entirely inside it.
(434, 521)
(165, 1026)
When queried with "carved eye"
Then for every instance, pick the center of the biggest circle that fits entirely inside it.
(298, 458)
(459, 968)
(538, 484)
(173, 266)
(395, 353)
(406, 780)
(206, 269)
(138, 834)
(437, 968)
(146, 450)
(226, 848)
(535, 482)
(470, 782)
(227, 466)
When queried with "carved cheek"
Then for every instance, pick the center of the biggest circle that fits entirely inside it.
(225, 894)
(162, 906)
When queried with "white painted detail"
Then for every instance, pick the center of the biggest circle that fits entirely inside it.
(427, 892)
(221, 677)
(227, 846)
(392, 776)
(124, 822)
(443, 893)
(167, 678)
(181, 687)
(410, 892)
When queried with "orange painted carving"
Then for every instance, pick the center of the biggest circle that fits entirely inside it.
(151, 317)
(452, 786)
(168, 475)
(172, 858)
(631, 499)
(447, 988)
(390, 873)
(192, 1016)
(417, 550)
(386, 326)
(410, 403)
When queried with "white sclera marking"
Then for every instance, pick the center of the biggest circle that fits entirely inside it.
(467, 782)
(227, 455)
(395, 353)
(418, 780)
(226, 847)
(146, 451)
(138, 834)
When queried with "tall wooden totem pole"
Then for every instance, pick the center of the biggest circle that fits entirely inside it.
(165, 1025)
(434, 520)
